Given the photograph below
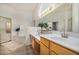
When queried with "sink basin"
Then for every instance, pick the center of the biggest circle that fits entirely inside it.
(59, 38)
(46, 32)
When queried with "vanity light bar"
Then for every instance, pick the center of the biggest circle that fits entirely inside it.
(47, 11)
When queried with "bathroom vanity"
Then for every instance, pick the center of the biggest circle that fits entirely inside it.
(35, 43)
(55, 47)
(52, 44)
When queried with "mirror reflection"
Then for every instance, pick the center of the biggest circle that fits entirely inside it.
(62, 19)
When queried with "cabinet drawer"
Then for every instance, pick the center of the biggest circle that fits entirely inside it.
(43, 49)
(45, 42)
(60, 50)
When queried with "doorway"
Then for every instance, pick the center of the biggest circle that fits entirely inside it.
(5, 29)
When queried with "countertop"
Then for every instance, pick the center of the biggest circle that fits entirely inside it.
(36, 35)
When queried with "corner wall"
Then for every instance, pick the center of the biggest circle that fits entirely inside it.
(19, 17)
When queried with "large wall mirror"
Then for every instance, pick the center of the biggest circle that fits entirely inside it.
(72, 23)
(63, 18)
(57, 18)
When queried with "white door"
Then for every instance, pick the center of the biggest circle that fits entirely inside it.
(4, 35)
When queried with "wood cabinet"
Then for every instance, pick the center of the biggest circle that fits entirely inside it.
(60, 50)
(52, 52)
(48, 47)
(35, 45)
(33, 42)
(44, 46)
(45, 41)
(43, 49)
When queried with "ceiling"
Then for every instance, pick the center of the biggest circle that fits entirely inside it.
(20, 6)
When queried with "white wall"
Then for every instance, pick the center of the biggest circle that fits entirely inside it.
(36, 13)
(19, 17)
(75, 15)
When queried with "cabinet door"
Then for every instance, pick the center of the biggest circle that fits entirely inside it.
(33, 43)
(60, 50)
(43, 50)
(45, 41)
(37, 47)
(52, 53)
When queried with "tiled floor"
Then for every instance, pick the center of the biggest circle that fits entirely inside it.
(14, 48)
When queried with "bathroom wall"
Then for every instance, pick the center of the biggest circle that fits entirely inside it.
(35, 15)
(75, 19)
(19, 17)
